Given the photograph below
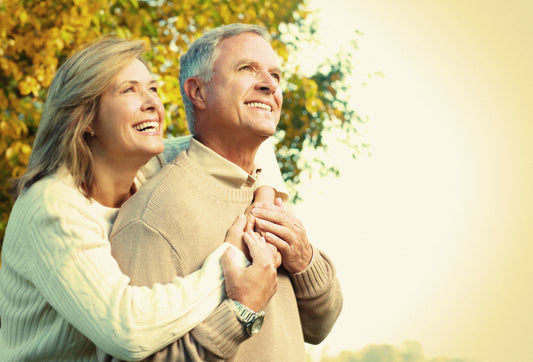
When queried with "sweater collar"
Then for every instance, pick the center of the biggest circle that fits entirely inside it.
(220, 168)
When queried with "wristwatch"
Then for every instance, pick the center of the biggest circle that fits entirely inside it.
(252, 321)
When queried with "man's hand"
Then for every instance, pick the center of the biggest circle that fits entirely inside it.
(252, 286)
(235, 233)
(286, 232)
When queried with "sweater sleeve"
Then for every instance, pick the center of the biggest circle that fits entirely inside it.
(217, 338)
(319, 297)
(70, 263)
(265, 159)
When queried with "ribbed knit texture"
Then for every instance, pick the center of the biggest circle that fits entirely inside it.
(61, 290)
(183, 214)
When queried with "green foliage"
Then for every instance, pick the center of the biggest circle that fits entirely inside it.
(37, 36)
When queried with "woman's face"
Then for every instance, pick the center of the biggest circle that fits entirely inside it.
(129, 122)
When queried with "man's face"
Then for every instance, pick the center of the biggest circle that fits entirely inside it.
(244, 97)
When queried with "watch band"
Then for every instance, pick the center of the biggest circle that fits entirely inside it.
(245, 314)
(252, 321)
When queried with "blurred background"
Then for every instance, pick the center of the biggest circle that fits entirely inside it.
(433, 233)
(406, 137)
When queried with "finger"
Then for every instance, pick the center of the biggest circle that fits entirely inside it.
(250, 224)
(282, 232)
(280, 244)
(258, 248)
(252, 242)
(235, 232)
(238, 225)
(278, 260)
(272, 213)
(275, 254)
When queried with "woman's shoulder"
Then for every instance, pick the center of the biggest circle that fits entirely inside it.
(54, 189)
(49, 202)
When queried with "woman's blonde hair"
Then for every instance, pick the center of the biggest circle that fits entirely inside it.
(70, 108)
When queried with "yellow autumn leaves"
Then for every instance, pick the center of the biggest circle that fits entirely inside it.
(36, 36)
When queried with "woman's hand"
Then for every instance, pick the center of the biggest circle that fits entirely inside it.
(252, 286)
(235, 233)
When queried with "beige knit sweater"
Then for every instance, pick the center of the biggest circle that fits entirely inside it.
(183, 203)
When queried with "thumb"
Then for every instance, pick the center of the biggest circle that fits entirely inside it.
(239, 223)
(237, 227)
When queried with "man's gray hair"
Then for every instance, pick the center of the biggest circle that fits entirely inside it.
(199, 60)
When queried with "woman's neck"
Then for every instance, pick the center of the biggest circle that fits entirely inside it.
(113, 185)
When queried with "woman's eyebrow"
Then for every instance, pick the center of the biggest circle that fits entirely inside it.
(135, 82)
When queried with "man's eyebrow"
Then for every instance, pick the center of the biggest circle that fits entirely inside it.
(255, 62)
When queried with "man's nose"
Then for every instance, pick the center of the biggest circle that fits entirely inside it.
(268, 83)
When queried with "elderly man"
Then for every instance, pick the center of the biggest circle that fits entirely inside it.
(230, 82)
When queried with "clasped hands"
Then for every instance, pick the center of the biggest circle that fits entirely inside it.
(270, 236)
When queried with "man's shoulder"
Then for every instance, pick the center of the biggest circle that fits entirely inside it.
(155, 200)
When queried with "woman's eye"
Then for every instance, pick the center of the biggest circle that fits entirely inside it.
(276, 76)
(129, 90)
(246, 67)
(154, 89)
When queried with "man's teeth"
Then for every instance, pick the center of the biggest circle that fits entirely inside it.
(266, 107)
(146, 126)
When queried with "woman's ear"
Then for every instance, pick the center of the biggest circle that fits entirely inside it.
(194, 89)
(89, 130)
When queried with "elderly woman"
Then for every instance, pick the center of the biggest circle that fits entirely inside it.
(61, 291)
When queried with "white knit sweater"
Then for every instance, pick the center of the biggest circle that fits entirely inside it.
(60, 288)
(61, 291)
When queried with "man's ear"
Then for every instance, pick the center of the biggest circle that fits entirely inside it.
(194, 89)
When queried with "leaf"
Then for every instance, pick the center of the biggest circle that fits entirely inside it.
(29, 85)
(36, 37)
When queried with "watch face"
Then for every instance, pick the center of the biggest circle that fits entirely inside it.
(254, 326)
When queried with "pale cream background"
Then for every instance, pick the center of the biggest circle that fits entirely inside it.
(433, 234)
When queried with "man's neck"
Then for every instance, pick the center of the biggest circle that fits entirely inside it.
(240, 153)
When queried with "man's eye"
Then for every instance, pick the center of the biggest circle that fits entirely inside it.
(154, 89)
(276, 76)
(246, 67)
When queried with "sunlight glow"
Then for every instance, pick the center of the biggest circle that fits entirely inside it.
(432, 233)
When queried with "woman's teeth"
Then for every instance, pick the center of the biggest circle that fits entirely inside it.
(146, 126)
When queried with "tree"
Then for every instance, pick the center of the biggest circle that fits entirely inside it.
(36, 37)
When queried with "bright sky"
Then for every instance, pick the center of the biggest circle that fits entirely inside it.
(432, 235)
